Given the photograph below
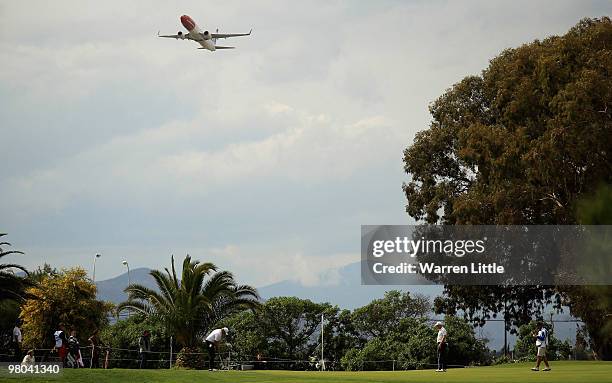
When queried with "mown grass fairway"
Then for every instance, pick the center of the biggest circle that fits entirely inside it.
(565, 372)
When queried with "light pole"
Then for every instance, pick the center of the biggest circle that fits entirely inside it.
(322, 340)
(94, 267)
(126, 264)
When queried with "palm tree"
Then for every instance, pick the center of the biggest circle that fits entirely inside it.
(12, 286)
(190, 306)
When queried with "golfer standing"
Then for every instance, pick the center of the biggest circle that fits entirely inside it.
(441, 341)
(541, 337)
(212, 343)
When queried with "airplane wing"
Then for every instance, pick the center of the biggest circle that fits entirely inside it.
(219, 47)
(226, 35)
(182, 36)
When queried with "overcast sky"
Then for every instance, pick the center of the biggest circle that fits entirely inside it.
(265, 159)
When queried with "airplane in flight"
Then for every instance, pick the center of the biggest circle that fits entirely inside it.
(206, 39)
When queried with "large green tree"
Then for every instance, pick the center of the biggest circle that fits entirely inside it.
(290, 328)
(383, 315)
(519, 144)
(293, 325)
(248, 336)
(593, 304)
(189, 305)
(68, 298)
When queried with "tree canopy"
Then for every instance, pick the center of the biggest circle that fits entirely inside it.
(292, 325)
(381, 316)
(67, 298)
(522, 144)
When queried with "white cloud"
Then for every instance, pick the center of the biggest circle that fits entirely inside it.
(267, 266)
(147, 162)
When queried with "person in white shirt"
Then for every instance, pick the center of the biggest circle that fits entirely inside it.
(212, 343)
(17, 340)
(441, 342)
(29, 359)
(61, 344)
(541, 337)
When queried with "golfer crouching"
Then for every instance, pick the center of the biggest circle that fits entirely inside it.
(212, 343)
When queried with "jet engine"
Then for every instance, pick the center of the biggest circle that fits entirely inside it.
(180, 35)
(206, 35)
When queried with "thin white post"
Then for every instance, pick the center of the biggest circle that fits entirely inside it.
(322, 357)
(126, 264)
(94, 267)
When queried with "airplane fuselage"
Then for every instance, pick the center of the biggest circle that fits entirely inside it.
(196, 34)
(206, 39)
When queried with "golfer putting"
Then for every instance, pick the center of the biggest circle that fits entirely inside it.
(541, 337)
(213, 340)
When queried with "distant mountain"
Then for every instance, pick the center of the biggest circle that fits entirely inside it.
(346, 291)
(112, 289)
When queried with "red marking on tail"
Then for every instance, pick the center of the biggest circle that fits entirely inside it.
(188, 22)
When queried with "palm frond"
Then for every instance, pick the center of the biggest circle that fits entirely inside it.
(13, 266)
(246, 290)
(176, 282)
(140, 307)
(164, 283)
(136, 291)
(5, 253)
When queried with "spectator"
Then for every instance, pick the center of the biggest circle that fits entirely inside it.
(16, 340)
(75, 359)
(144, 347)
(442, 345)
(96, 345)
(61, 344)
(212, 343)
(29, 359)
(106, 358)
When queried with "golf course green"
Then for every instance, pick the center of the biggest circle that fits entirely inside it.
(564, 372)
